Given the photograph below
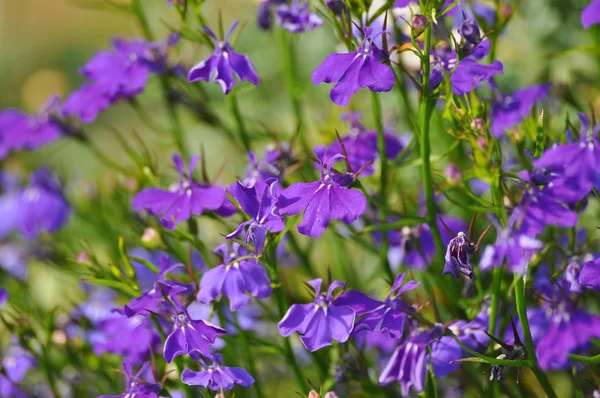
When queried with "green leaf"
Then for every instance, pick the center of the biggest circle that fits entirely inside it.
(125, 288)
(146, 263)
(129, 270)
(539, 138)
(586, 360)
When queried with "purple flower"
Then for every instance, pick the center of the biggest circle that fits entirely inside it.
(135, 387)
(215, 376)
(591, 14)
(14, 258)
(221, 66)
(590, 275)
(322, 200)
(296, 17)
(19, 131)
(362, 68)
(17, 362)
(87, 102)
(458, 257)
(388, 316)
(3, 297)
(272, 166)
(509, 110)
(259, 208)
(188, 335)
(239, 274)
(183, 200)
(320, 322)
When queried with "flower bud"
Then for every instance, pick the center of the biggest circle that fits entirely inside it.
(336, 6)
(419, 23)
(477, 124)
(331, 394)
(150, 237)
(313, 394)
(470, 31)
(453, 174)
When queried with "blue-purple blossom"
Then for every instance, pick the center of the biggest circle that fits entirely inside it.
(19, 131)
(16, 364)
(3, 297)
(14, 258)
(214, 375)
(458, 257)
(188, 335)
(362, 68)
(387, 316)
(591, 14)
(272, 166)
(322, 200)
(260, 210)
(320, 322)
(590, 275)
(239, 275)
(509, 110)
(223, 64)
(135, 387)
(296, 17)
(186, 198)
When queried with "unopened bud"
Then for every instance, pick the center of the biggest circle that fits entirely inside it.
(336, 6)
(477, 124)
(470, 31)
(481, 142)
(314, 394)
(419, 23)
(331, 394)
(453, 174)
(84, 258)
(150, 237)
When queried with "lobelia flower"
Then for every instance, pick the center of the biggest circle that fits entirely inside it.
(322, 200)
(364, 67)
(135, 387)
(296, 17)
(388, 316)
(263, 14)
(3, 297)
(14, 259)
(182, 200)
(221, 66)
(16, 364)
(336, 6)
(276, 159)
(458, 257)
(320, 322)
(239, 275)
(188, 335)
(259, 209)
(19, 131)
(591, 14)
(215, 376)
(510, 110)
(590, 275)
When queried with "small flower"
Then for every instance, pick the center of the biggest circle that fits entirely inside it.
(590, 275)
(458, 257)
(239, 274)
(221, 66)
(215, 376)
(3, 297)
(135, 386)
(386, 317)
(259, 208)
(470, 32)
(362, 68)
(510, 110)
(591, 14)
(320, 322)
(296, 17)
(336, 6)
(188, 335)
(322, 200)
(183, 200)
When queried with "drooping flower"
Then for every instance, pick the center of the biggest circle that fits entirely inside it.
(259, 208)
(591, 14)
(181, 201)
(296, 17)
(188, 335)
(214, 375)
(238, 275)
(458, 257)
(320, 322)
(362, 68)
(322, 200)
(19, 131)
(135, 387)
(590, 275)
(221, 66)
(510, 110)
(387, 316)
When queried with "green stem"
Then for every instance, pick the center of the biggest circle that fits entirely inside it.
(425, 112)
(522, 311)
(495, 304)
(250, 360)
(239, 121)
(383, 183)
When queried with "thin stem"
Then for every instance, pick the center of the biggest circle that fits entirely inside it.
(250, 359)
(495, 304)
(239, 121)
(383, 183)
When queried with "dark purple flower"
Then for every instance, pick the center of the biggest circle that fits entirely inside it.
(296, 17)
(469, 30)
(590, 275)
(239, 274)
(591, 14)
(221, 66)
(135, 386)
(19, 131)
(188, 335)
(322, 200)
(320, 322)
(458, 257)
(362, 68)
(3, 297)
(184, 199)
(215, 376)
(387, 316)
(262, 219)
(510, 110)
(336, 6)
